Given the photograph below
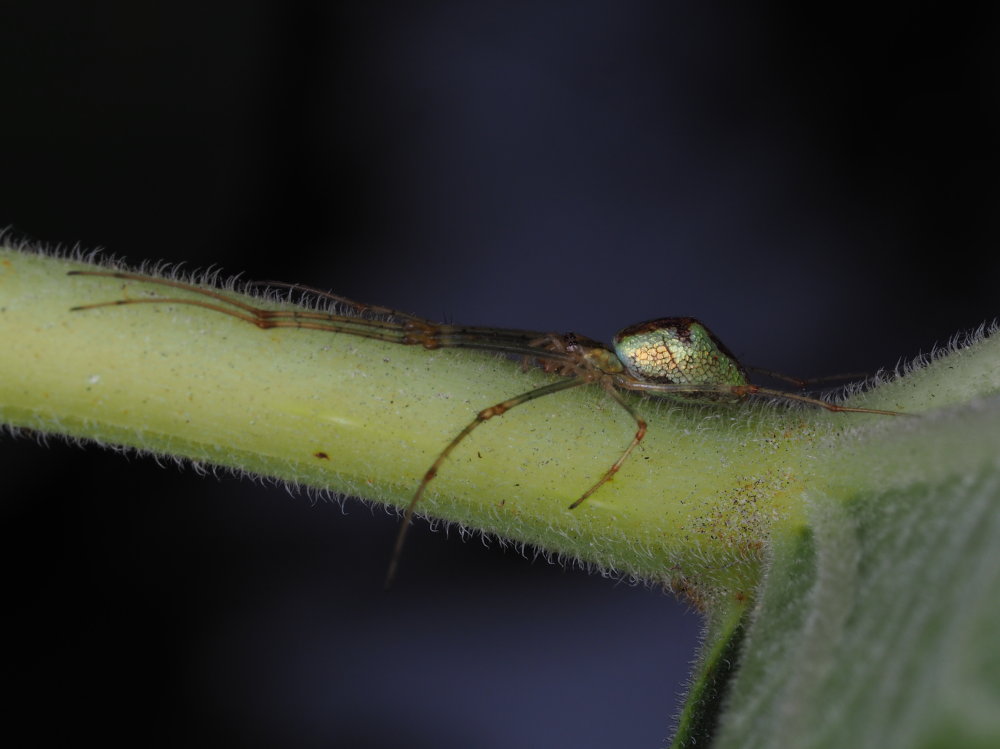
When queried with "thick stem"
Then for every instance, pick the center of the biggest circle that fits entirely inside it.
(694, 506)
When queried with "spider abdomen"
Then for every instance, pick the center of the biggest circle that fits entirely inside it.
(680, 351)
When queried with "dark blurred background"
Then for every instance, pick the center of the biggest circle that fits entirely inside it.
(820, 186)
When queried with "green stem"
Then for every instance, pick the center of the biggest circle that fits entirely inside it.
(694, 508)
(718, 663)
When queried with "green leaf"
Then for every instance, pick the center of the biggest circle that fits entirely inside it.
(879, 624)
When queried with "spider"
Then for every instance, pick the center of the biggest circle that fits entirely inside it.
(677, 357)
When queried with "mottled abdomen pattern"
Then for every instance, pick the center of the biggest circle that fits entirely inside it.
(678, 350)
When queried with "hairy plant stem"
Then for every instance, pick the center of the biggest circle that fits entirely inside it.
(693, 508)
(697, 508)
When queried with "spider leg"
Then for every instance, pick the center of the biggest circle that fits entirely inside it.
(258, 316)
(407, 329)
(357, 307)
(741, 391)
(640, 432)
(755, 390)
(804, 382)
(211, 293)
(267, 319)
(497, 409)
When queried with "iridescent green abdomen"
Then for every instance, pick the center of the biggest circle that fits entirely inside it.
(681, 351)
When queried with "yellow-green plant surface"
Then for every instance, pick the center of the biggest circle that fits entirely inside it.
(715, 494)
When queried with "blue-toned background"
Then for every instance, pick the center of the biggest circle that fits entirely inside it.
(819, 187)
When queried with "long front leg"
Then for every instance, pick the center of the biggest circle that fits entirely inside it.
(404, 329)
